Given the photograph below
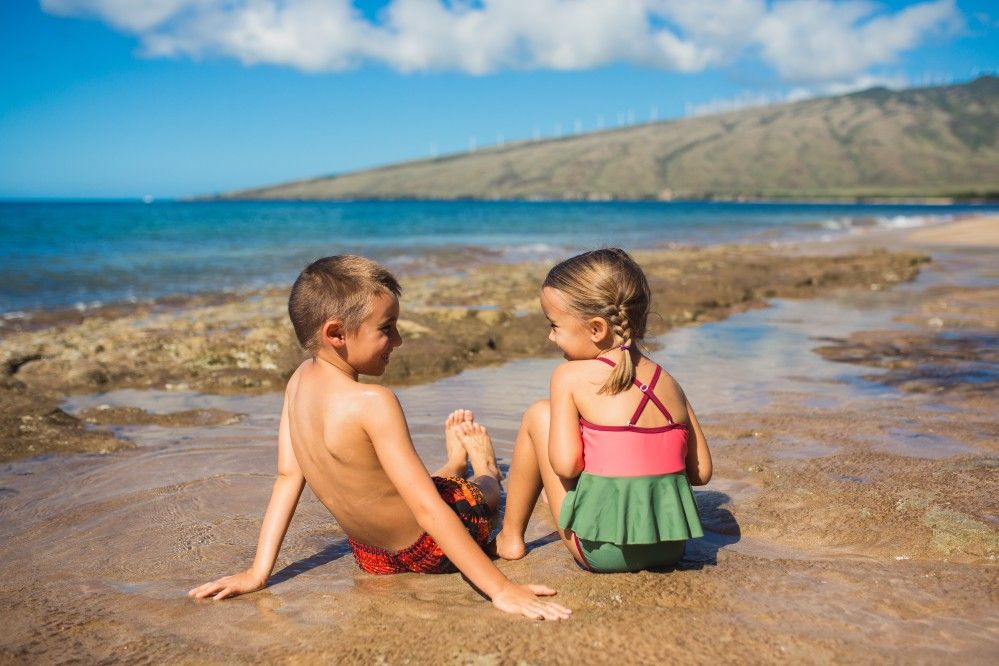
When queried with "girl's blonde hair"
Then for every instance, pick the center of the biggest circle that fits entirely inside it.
(607, 284)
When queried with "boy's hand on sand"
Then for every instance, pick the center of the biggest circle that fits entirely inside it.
(229, 586)
(523, 600)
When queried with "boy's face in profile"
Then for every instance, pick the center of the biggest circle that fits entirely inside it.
(369, 347)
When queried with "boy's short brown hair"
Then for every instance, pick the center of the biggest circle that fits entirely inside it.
(339, 287)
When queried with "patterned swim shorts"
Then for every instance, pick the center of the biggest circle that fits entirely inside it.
(425, 556)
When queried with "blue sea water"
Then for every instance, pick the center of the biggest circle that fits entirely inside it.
(78, 254)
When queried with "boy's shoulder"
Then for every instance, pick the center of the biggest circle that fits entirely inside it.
(370, 406)
(376, 394)
(302, 378)
(350, 397)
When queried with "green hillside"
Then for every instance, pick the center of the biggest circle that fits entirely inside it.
(927, 142)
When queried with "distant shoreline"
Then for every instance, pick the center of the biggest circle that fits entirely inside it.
(872, 200)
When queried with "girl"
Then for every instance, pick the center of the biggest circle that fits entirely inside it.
(617, 446)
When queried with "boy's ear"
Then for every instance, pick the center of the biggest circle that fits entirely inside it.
(333, 333)
(599, 328)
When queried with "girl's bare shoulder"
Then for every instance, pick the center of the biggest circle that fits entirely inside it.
(587, 369)
(568, 368)
(668, 390)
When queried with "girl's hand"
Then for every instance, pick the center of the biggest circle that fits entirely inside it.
(229, 586)
(523, 599)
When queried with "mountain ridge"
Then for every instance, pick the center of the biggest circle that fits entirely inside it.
(925, 143)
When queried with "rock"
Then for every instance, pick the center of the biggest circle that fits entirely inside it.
(491, 317)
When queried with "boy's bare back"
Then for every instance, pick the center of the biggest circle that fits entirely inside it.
(326, 411)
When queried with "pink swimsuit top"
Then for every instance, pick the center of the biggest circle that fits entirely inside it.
(632, 450)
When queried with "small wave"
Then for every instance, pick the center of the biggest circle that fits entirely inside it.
(535, 247)
(535, 252)
(906, 221)
(833, 227)
(84, 306)
(835, 224)
(855, 223)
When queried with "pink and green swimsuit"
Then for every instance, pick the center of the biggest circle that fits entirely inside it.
(632, 507)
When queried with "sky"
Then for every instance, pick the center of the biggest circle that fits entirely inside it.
(171, 98)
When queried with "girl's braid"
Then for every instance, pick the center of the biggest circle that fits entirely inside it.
(617, 316)
(621, 376)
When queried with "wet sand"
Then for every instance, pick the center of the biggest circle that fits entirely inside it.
(851, 518)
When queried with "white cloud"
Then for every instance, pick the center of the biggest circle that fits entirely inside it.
(810, 42)
(124, 14)
(743, 100)
(749, 99)
(862, 82)
(821, 40)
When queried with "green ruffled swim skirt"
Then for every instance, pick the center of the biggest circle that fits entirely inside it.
(631, 523)
(605, 557)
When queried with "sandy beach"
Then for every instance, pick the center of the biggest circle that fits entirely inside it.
(980, 232)
(847, 391)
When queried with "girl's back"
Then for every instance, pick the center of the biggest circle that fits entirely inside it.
(632, 506)
(614, 410)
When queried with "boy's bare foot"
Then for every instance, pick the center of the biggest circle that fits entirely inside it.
(457, 457)
(509, 546)
(479, 447)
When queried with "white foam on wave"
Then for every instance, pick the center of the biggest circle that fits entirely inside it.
(83, 307)
(539, 248)
(535, 252)
(907, 221)
(863, 225)
(832, 228)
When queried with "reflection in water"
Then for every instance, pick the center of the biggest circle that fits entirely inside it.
(916, 443)
(746, 362)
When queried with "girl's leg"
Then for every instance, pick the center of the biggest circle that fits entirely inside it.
(523, 488)
(529, 471)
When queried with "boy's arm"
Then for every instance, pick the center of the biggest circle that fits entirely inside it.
(287, 490)
(565, 448)
(385, 424)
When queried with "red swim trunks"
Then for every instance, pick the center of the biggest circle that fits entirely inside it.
(425, 556)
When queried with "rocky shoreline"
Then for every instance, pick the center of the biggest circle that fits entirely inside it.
(243, 343)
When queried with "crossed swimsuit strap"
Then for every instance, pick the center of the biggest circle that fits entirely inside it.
(647, 393)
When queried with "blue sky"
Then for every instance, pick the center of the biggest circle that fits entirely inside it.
(115, 98)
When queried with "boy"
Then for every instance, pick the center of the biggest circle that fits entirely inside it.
(350, 442)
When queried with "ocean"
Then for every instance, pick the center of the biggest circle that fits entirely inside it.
(56, 255)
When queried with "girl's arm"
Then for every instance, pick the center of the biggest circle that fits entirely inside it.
(385, 424)
(287, 490)
(698, 455)
(565, 448)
